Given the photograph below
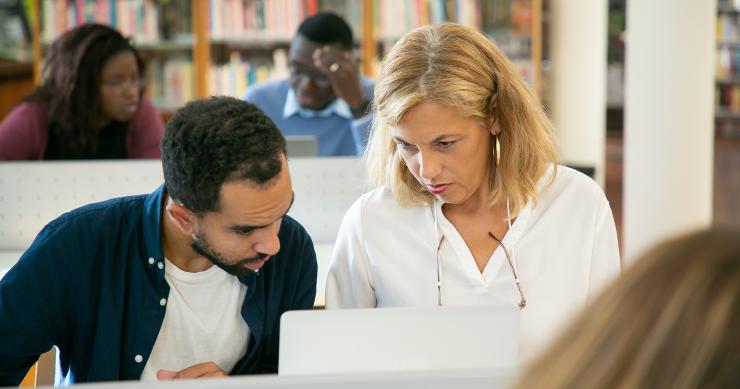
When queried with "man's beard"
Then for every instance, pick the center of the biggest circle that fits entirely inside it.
(200, 246)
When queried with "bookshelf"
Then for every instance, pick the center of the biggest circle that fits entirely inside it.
(727, 83)
(162, 32)
(515, 26)
(204, 47)
(259, 46)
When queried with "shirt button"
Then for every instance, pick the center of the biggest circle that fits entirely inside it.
(160, 265)
(151, 261)
(138, 358)
(163, 302)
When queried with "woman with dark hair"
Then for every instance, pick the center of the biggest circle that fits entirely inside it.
(90, 103)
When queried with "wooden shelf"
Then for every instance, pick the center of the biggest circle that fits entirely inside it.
(252, 43)
(727, 10)
(15, 70)
(729, 45)
(726, 114)
(728, 81)
(174, 45)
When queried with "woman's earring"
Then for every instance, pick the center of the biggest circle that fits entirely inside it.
(496, 149)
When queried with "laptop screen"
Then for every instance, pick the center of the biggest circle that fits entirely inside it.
(297, 146)
(355, 341)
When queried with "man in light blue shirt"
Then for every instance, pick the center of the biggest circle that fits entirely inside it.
(324, 95)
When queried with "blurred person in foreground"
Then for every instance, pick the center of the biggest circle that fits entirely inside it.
(672, 321)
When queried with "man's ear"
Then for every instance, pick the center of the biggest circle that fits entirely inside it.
(182, 217)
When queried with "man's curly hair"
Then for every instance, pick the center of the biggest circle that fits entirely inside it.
(212, 141)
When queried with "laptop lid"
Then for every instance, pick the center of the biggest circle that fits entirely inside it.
(301, 146)
(355, 341)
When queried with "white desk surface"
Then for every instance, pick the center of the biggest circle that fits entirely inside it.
(323, 255)
(468, 379)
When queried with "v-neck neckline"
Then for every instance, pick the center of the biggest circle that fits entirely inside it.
(465, 256)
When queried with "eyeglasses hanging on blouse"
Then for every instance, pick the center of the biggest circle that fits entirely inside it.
(509, 258)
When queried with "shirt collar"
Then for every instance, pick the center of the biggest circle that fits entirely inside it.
(292, 107)
(152, 227)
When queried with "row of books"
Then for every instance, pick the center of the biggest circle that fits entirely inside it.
(272, 20)
(235, 76)
(507, 22)
(511, 17)
(394, 18)
(15, 31)
(727, 98)
(279, 19)
(729, 4)
(728, 63)
(269, 21)
(145, 21)
(728, 28)
(170, 81)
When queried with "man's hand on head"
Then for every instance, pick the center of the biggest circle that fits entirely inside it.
(201, 370)
(341, 69)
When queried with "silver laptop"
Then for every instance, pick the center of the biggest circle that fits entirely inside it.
(356, 341)
(301, 146)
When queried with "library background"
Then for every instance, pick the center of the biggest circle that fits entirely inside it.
(199, 48)
(219, 47)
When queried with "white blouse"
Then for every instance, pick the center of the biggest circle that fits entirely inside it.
(563, 244)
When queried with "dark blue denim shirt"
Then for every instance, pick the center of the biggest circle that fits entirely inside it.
(92, 281)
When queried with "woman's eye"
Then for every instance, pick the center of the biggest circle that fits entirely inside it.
(445, 145)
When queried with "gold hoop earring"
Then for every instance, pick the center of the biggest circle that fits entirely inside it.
(496, 149)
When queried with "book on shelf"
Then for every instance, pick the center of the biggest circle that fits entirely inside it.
(246, 28)
(235, 76)
(350, 10)
(727, 98)
(15, 31)
(272, 20)
(151, 24)
(145, 21)
(730, 5)
(727, 88)
(727, 63)
(728, 28)
(507, 22)
(135, 18)
(170, 81)
(394, 18)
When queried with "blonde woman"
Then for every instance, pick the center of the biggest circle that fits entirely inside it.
(671, 321)
(470, 206)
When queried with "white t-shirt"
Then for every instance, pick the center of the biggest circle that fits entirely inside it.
(202, 322)
(564, 246)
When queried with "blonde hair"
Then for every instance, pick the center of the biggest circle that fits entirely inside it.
(671, 321)
(459, 67)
